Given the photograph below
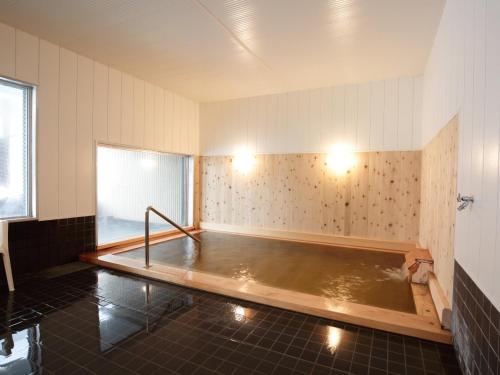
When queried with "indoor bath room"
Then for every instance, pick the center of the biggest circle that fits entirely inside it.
(250, 187)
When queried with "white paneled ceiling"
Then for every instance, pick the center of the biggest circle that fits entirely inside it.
(219, 49)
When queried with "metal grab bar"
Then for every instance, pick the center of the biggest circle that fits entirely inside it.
(146, 230)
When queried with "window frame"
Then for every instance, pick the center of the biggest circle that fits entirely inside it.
(30, 92)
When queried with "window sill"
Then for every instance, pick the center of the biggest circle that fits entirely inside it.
(17, 219)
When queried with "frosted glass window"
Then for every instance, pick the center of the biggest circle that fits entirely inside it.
(130, 180)
(15, 150)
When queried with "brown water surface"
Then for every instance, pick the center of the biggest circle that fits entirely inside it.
(361, 276)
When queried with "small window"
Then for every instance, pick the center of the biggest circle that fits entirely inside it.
(16, 174)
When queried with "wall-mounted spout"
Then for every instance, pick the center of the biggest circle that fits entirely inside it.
(464, 201)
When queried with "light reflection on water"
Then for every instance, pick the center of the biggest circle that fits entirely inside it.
(341, 287)
(243, 273)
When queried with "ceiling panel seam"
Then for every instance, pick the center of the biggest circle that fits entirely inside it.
(242, 44)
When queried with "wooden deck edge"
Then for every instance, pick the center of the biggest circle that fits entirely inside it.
(344, 241)
(139, 240)
(368, 316)
(135, 245)
(440, 301)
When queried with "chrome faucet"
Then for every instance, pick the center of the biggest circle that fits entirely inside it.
(464, 201)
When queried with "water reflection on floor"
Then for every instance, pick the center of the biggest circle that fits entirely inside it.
(361, 276)
(103, 322)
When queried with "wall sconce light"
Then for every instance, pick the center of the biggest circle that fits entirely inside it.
(340, 159)
(244, 160)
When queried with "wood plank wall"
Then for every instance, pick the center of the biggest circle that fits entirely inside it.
(438, 207)
(80, 102)
(379, 198)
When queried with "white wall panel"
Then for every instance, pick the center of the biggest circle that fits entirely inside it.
(159, 133)
(465, 130)
(196, 124)
(239, 119)
(326, 118)
(127, 109)
(48, 132)
(417, 114)
(391, 129)
(314, 118)
(292, 134)
(187, 124)
(374, 116)
(364, 118)
(27, 54)
(338, 115)
(149, 116)
(261, 137)
(85, 183)
(8, 48)
(490, 233)
(81, 102)
(377, 110)
(476, 174)
(189, 130)
(250, 117)
(405, 114)
(139, 113)
(168, 118)
(301, 123)
(194, 135)
(176, 136)
(100, 107)
(272, 125)
(276, 122)
(351, 115)
(67, 133)
(463, 76)
(114, 106)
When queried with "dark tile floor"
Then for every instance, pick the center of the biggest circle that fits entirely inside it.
(98, 321)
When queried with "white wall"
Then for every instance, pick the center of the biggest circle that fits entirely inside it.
(376, 116)
(463, 76)
(81, 101)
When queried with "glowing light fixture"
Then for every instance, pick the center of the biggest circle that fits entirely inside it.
(244, 160)
(341, 159)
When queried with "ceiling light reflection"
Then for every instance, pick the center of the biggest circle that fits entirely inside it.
(239, 313)
(333, 339)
